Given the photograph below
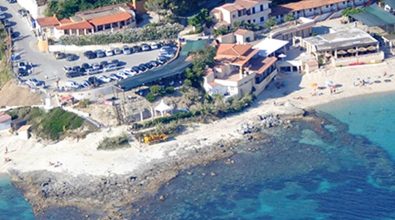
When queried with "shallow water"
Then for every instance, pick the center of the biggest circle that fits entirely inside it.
(332, 170)
(339, 167)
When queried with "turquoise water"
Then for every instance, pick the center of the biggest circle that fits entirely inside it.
(372, 116)
(339, 166)
(12, 203)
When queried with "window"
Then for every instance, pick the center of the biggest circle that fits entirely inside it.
(234, 16)
(239, 13)
(261, 7)
(253, 21)
(262, 19)
(249, 21)
(253, 10)
(310, 9)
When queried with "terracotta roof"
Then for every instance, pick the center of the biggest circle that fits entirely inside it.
(121, 16)
(24, 128)
(75, 26)
(261, 65)
(4, 117)
(243, 32)
(48, 21)
(237, 54)
(302, 5)
(65, 21)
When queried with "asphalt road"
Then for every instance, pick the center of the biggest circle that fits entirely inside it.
(46, 67)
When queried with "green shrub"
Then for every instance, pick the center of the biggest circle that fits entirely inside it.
(113, 143)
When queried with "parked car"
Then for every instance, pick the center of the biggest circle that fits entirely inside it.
(155, 46)
(3, 17)
(93, 80)
(109, 53)
(72, 84)
(142, 67)
(85, 84)
(73, 74)
(96, 66)
(100, 53)
(117, 51)
(71, 57)
(122, 75)
(104, 63)
(104, 79)
(60, 55)
(115, 77)
(126, 50)
(145, 47)
(11, 1)
(110, 67)
(90, 54)
(86, 66)
(23, 12)
(137, 49)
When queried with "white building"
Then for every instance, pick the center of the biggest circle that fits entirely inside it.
(5, 121)
(36, 8)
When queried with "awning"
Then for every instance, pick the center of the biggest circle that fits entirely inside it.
(362, 49)
(351, 51)
(372, 48)
(341, 52)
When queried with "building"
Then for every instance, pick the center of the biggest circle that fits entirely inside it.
(271, 47)
(36, 8)
(374, 16)
(24, 132)
(344, 47)
(248, 11)
(5, 121)
(313, 8)
(239, 71)
(240, 36)
(108, 18)
(292, 31)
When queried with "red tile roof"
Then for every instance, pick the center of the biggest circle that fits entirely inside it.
(75, 26)
(118, 17)
(302, 5)
(48, 21)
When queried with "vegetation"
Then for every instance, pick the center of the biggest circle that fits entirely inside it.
(67, 8)
(84, 103)
(351, 11)
(201, 60)
(113, 143)
(200, 20)
(5, 68)
(289, 17)
(52, 125)
(158, 91)
(270, 23)
(150, 32)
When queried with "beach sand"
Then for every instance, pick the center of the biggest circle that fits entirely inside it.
(81, 157)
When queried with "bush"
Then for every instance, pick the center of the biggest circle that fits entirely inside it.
(150, 32)
(113, 143)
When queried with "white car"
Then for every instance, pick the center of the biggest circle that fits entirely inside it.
(109, 53)
(154, 46)
(122, 75)
(72, 84)
(104, 79)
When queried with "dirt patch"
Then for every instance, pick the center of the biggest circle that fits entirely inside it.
(14, 95)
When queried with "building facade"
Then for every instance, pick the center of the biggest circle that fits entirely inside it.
(313, 8)
(240, 70)
(5, 121)
(248, 11)
(108, 18)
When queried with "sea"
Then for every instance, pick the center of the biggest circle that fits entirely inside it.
(339, 165)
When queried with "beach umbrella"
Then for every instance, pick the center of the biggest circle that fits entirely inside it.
(341, 52)
(282, 56)
(372, 48)
(329, 83)
(362, 49)
(314, 85)
(328, 54)
(351, 51)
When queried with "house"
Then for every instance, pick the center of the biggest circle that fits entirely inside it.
(24, 132)
(271, 47)
(292, 31)
(248, 11)
(344, 47)
(313, 8)
(240, 36)
(107, 18)
(36, 8)
(5, 121)
(239, 71)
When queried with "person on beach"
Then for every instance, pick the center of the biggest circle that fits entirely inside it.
(6, 150)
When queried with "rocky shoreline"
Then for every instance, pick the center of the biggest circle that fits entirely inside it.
(112, 196)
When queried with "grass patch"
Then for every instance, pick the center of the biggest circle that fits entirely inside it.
(53, 125)
(113, 143)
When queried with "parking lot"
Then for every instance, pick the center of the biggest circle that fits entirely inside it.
(45, 67)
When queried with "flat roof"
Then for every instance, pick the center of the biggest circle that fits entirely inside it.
(268, 46)
(4, 117)
(375, 16)
(343, 38)
(302, 5)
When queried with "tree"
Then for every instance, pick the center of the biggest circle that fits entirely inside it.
(289, 17)
(270, 23)
(200, 20)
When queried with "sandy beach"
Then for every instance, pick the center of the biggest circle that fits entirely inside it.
(74, 173)
(81, 157)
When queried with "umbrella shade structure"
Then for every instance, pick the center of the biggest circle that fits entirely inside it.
(282, 56)
(163, 107)
(328, 54)
(372, 48)
(351, 51)
(341, 52)
(362, 49)
(314, 85)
